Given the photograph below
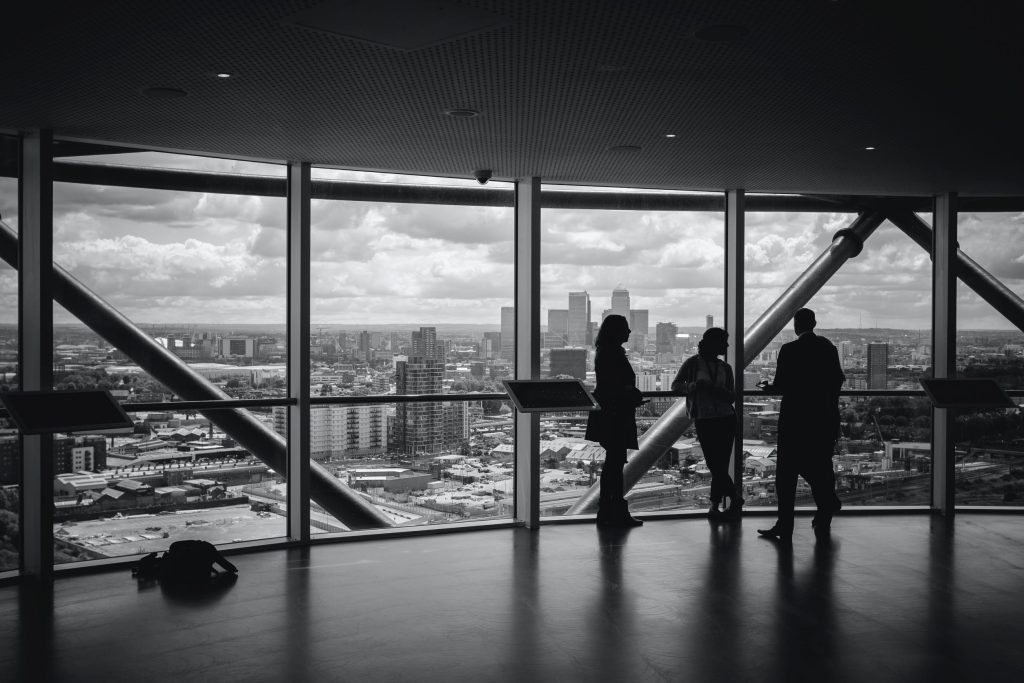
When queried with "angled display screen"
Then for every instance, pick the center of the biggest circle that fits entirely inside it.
(47, 412)
(544, 395)
(966, 393)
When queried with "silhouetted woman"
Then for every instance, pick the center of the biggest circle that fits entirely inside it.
(710, 390)
(614, 425)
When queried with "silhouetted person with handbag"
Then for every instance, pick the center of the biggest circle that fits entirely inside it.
(809, 377)
(614, 425)
(710, 390)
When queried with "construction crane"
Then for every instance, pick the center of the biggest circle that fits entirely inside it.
(878, 430)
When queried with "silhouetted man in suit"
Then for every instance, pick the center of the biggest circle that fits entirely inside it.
(809, 377)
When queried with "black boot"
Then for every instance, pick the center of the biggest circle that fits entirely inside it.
(735, 510)
(622, 516)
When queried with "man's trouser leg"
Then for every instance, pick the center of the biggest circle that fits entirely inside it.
(821, 477)
(785, 490)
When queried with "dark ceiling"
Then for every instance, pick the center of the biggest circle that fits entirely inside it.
(767, 95)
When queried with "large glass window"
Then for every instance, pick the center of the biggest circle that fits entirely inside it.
(10, 443)
(194, 283)
(876, 309)
(664, 270)
(989, 445)
(412, 294)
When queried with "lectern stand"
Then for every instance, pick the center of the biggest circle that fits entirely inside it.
(966, 393)
(49, 412)
(957, 395)
(549, 395)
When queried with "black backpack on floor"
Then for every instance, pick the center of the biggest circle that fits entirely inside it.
(185, 562)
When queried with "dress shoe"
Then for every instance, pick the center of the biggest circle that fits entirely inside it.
(776, 534)
(714, 512)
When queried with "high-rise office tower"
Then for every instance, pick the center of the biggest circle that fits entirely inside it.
(843, 348)
(878, 365)
(424, 344)
(709, 322)
(579, 319)
(665, 336)
(638, 320)
(490, 346)
(571, 362)
(457, 420)
(620, 302)
(558, 328)
(419, 427)
(364, 341)
(508, 332)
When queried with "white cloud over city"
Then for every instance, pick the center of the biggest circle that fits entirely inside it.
(173, 257)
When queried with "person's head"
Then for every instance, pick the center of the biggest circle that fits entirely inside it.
(714, 342)
(614, 331)
(804, 321)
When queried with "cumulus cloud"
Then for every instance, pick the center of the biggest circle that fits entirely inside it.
(162, 256)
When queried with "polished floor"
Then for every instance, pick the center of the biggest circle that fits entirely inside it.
(891, 598)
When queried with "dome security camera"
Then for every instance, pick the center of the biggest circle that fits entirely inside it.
(482, 176)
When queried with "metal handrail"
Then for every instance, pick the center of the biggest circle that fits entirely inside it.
(406, 398)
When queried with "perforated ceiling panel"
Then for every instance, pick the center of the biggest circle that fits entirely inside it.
(566, 90)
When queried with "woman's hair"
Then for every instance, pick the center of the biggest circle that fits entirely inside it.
(711, 335)
(613, 327)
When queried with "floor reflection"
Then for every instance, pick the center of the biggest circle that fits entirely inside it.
(613, 613)
(806, 646)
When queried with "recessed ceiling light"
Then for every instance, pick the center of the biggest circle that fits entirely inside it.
(869, 149)
(224, 74)
(670, 135)
(624, 148)
(721, 33)
(462, 113)
(164, 93)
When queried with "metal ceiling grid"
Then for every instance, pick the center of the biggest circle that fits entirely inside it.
(789, 107)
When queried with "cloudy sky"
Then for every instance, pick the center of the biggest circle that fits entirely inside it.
(177, 257)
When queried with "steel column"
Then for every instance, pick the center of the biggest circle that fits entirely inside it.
(994, 292)
(334, 496)
(298, 350)
(943, 348)
(527, 348)
(846, 244)
(734, 252)
(670, 426)
(35, 345)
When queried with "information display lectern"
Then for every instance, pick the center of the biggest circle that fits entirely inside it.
(48, 412)
(966, 393)
(548, 395)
